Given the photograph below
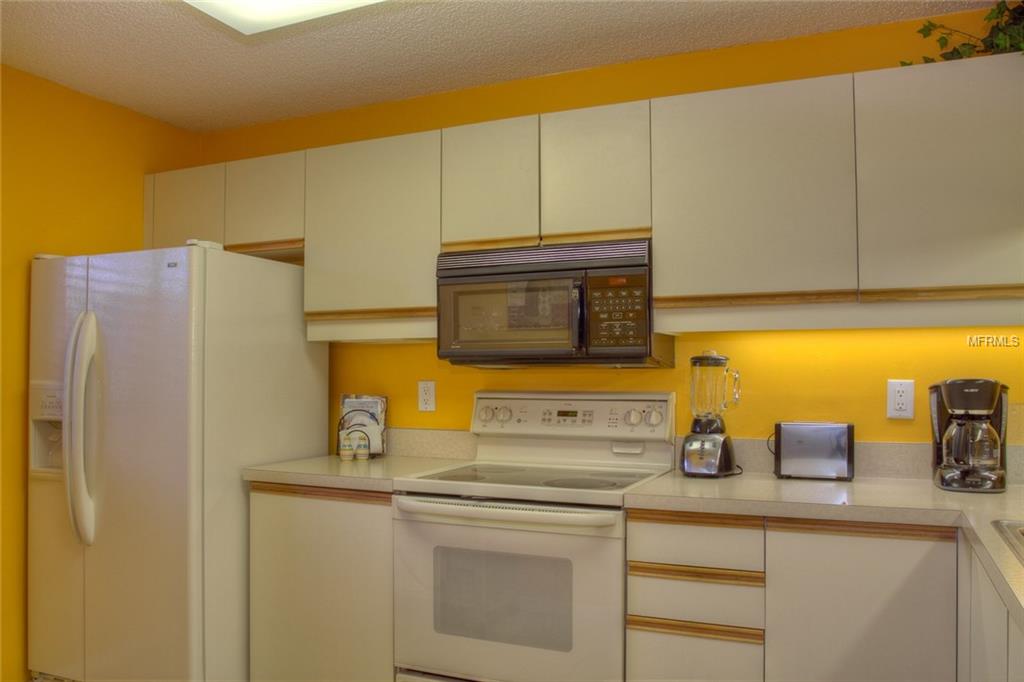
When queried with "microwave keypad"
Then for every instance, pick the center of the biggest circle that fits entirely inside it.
(618, 314)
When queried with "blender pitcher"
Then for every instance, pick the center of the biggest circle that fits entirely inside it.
(710, 393)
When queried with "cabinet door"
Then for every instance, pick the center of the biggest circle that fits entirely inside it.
(940, 155)
(988, 628)
(321, 589)
(490, 187)
(1015, 652)
(265, 199)
(853, 608)
(759, 180)
(373, 227)
(188, 204)
(595, 170)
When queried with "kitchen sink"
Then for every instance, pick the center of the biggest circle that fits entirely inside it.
(1013, 533)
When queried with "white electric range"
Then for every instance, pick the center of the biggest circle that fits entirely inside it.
(512, 567)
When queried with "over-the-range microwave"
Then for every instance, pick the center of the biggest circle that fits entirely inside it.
(558, 304)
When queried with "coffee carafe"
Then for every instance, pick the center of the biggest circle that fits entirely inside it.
(707, 450)
(969, 434)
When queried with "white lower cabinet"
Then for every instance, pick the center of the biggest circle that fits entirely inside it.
(1015, 652)
(695, 597)
(321, 585)
(859, 602)
(662, 656)
(988, 628)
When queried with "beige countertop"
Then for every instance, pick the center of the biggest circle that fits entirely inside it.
(879, 500)
(331, 472)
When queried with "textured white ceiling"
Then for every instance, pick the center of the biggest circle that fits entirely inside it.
(168, 60)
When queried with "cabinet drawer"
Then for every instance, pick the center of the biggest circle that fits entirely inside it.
(716, 541)
(696, 600)
(669, 656)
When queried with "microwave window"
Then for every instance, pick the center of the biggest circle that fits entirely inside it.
(524, 313)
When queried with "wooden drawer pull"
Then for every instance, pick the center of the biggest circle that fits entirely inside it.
(725, 576)
(690, 628)
(364, 496)
(903, 531)
(695, 518)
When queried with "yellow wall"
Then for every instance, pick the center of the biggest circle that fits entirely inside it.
(828, 375)
(862, 49)
(72, 184)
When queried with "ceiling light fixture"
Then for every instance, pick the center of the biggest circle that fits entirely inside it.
(256, 16)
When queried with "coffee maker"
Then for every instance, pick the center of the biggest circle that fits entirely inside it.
(969, 434)
(707, 450)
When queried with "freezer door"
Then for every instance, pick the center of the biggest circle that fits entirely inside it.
(143, 571)
(55, 558)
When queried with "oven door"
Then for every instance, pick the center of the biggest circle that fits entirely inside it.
(517, 592)
(510, 316)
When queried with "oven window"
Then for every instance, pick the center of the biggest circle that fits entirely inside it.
(499, 597)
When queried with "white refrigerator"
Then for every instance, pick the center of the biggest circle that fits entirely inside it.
(155, 377)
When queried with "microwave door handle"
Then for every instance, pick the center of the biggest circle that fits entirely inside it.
(575, 315)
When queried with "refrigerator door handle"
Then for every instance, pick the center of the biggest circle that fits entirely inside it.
(81, 352)
(66, 426)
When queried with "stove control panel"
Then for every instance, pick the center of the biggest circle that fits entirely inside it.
(615, 416)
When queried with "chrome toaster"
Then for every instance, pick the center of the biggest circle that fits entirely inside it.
(819, 450)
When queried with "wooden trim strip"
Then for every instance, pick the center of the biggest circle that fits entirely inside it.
(642, 232)
(694, 518)
(904, 531)
(963, 293)
(700, 574)
(496, 243)
(363, 496)
(692, 628)
(263, 247)
(370, 314)
(767, 298)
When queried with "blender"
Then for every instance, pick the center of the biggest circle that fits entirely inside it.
(707, 450)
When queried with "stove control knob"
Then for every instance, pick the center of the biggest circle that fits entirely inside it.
(655, 417)
(504, 414)
(634, 417)
(486, 414)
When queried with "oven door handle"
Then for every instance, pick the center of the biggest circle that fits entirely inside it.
(508, 512)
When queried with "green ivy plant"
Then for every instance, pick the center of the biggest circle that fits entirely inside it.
(1005, 34)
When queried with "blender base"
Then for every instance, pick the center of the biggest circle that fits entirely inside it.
(708, 455)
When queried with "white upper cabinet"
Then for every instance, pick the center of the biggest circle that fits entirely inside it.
(595, 169)
(188, 204)
(265, 199)
(373, 227)
(490, 187)
(754, 189)
(940, 157)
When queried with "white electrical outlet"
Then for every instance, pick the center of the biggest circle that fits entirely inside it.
(427, 392)
(899, 400)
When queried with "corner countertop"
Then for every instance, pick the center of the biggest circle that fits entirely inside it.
(331, 472)
(878, 500)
